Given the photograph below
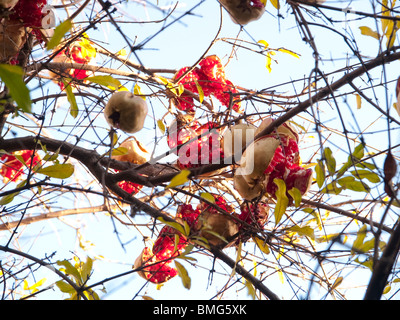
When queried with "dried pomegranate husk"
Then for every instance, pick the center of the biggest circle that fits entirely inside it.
(12, 38)
(213, 224)
(136, 153)
(236, 138)
(244, 11)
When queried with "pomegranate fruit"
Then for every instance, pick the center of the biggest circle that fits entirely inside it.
(126, 111)
(210, 77)
(244, 11)
(269, 157)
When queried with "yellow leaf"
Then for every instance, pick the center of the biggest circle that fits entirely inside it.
(264, 43)
(161, 126)
(261, 245)
(296, 195)
(337, 282)
(280, 274)
(269, 61)
(358, 99)
(367, 31)
(282, 200)
(179, 179)
(294, 54)
(138, 92)
(396, 106)
(182, 272)
(276, 4)
(177, 226)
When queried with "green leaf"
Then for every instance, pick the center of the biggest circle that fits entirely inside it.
(59, 33)
(207, 196)
(87, 269)
(59, 171)
(303, 231)
(357, 154)
(282, 200)
(351, 184)
(337, 282)
(320, 173)
(296, 195)
(12, 76)
(183, 274)
(177, 226)
(332, 188)
(71, 98)
(366, 174)
(105, 81)
(179, 179)
(70, 270)
(330, 161)
(359, 239)
(65, 287)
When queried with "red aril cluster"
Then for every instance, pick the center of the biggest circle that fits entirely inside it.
(204, 150)
(157, 260)
(210, 76)
(72, 54)
(29, 12)
(14, 164)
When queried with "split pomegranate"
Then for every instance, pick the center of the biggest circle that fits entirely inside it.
(244, 11)
(165, 249)
(210, 77)
(135, 153)
(155, 271)
(72, 54)
(14, 164)
(254, 214)
(269, 157)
